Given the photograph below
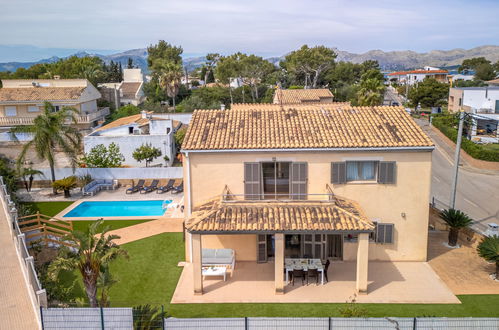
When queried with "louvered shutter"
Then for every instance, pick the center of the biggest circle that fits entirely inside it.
(387, 172)
(261, 244)
(299, 176)
(384, 233)
(339, 172)
(252, 176)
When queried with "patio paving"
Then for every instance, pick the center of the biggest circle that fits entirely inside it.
(461, 269)
(389, 282)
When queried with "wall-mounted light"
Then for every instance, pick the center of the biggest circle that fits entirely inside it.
(403, 214)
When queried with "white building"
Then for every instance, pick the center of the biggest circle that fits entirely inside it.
(131, 132)
(483, 104)
(416, 76)
(130, 90)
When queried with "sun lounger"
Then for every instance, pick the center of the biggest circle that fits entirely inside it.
(148, 189)
(179, 188)
(166, 188)
(136, 188)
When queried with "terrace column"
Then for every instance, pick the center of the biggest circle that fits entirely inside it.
(362, 262)
(196, 264)
(279, 263)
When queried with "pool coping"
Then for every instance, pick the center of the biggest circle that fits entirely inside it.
(61, 214)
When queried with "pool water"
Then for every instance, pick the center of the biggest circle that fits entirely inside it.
(119, 209)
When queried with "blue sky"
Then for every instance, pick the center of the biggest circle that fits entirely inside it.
(264, 27)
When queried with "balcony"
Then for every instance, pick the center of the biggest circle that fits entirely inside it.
(100, 114)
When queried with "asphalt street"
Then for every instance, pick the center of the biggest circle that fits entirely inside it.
(477, 190)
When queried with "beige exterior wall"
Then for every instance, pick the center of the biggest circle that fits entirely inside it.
(454, 96)
(210, 172)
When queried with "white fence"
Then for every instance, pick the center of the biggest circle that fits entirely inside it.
(123, 318)
(115, 173)
(36, 292)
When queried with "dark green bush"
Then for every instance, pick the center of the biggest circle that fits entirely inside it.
(447, 124)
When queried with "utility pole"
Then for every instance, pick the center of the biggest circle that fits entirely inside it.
(456, 160)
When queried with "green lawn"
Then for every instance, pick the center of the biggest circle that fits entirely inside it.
(491, 147)
(48, 208)
(150, 275)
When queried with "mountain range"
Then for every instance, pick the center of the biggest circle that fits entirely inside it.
(391, 60)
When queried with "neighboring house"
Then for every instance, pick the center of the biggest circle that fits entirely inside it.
(339, 183)
(129, 91)
(483, 104)
(494, 82)
(21, 101)
(131, 132)
(297, 96)
(416, 76)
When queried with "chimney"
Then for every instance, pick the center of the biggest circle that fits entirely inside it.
(222, 106)
(143, 114)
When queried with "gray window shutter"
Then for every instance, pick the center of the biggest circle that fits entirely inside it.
(252, 177)
(384, 233)
(299, 176)
(261, 243)
(387, 172)
(339, 172)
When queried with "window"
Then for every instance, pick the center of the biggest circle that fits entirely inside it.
(10, 111)
(130, 130)
(275, 180)
(33, 108)
(361, 171)
(384, 233)
(460, 101)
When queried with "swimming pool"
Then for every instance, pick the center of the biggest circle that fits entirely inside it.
(119, 209)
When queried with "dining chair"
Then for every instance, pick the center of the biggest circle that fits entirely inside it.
(298, 273)
(313, 273)
(326, 267)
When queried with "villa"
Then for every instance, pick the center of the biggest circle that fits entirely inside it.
(22, 100)
(270, 187)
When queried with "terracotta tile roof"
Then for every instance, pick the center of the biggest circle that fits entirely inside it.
(293, 96)
(134, 119)
(272, 106)
(40, 93)
(335, 127)
(401, 73)
(277, 216)
(130, 89)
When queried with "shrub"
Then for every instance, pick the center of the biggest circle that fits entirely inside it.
(447, 125)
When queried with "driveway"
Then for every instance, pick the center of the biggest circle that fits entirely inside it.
(477, 189)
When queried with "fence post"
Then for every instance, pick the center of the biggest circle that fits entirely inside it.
(163, 317)
(414, 324)
(102, 318)
(41, 317)
(330, 323)
(246, 323)
(42, 297)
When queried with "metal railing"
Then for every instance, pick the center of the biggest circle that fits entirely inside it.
(81, 119)
(279, 197)
(19, 241)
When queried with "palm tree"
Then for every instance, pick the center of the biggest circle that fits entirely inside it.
(169, 75)
(489, 250)
(370, 92)
(94, 251)
(51, 130)
(456, 220)
(26, 174)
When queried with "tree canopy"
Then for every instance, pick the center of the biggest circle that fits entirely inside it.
(429, 93)
(146, 152)
(104, 157)
(309, 64)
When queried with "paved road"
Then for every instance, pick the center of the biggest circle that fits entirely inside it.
(391, 96)
(477, 190)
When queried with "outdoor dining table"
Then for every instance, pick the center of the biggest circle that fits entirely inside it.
(303, 264)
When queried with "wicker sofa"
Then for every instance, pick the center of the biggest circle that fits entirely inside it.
(97, 185)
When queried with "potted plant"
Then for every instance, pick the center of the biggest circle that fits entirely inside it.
(65, 185)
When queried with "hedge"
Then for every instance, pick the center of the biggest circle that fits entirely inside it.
(445, 124)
